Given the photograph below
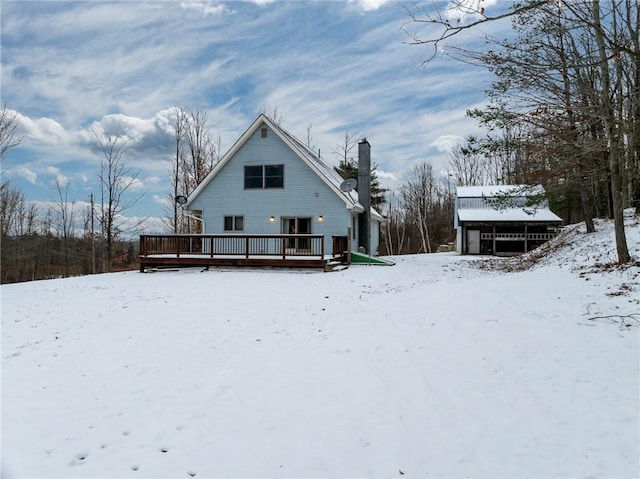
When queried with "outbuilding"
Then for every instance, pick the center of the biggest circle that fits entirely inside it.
(502, 219)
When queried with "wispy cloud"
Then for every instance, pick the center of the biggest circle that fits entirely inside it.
(28, 175)
(370, 5)
(72, 68)
(205, 7)
(445, 143)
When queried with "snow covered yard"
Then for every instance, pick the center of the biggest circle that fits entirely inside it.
(430, 368)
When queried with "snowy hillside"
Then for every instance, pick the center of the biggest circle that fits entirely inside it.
(435, 367)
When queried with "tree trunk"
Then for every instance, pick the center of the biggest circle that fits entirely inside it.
(613, 137)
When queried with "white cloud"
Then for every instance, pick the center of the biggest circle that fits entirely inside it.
(205, 7)
(59, 178)
(385, 175)
(162, 200)
(445, 143)
(82, 177)
(62, 180)
(369, 5)
(27, 174)
(135, 184)
(358, 75)
(153, 180)
(41, 130)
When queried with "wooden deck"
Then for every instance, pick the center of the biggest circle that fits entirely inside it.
(285, 251)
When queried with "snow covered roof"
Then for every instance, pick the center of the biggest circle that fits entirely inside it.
(520, 215)
(474, 205)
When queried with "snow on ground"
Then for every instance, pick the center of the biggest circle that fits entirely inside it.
(430, 368)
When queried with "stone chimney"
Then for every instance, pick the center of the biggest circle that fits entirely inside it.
(364, 194)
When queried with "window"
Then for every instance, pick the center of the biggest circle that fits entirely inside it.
(264, 176)
(263, 132)
(274, 176)
(234, 223)
(253, 176)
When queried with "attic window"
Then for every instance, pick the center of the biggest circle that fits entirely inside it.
(263, 132)
(264, 176)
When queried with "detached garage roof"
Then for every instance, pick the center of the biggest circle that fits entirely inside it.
(490, 215)
(480, 204)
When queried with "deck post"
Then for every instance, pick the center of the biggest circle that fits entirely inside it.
(142, 250)
(283, 245)
(246, 247)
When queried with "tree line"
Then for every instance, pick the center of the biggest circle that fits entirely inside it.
(68, 237)
(564, 109)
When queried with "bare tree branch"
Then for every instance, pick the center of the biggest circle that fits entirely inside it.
(418, 16)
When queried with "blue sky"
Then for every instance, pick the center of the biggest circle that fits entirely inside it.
(70, 67)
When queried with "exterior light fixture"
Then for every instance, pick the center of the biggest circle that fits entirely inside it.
(272, 219)
(321, 218)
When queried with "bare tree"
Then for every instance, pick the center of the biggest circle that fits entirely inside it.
(467, 164)
(8, 128)
(394, 226)
(18, 220)
(202, 154)
(418, 192)
(610, 120)
(180, 128)
(275, 114)
(308, 141)
(455, 17)
(65, 220)
(116, 182)
(197, 152)
(346, 152)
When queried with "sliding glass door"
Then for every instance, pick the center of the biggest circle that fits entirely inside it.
(297, 225)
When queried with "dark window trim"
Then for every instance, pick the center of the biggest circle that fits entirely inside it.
(265, 179)
(234, 222)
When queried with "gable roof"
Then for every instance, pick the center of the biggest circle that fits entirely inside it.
(326, 173)
(476, 207)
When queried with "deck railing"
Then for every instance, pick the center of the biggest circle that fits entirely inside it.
(244, 246)
(519, 236)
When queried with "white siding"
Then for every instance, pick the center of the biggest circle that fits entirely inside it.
(304, 193)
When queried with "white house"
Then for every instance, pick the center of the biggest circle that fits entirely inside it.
(502, 219)
(269, 183)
